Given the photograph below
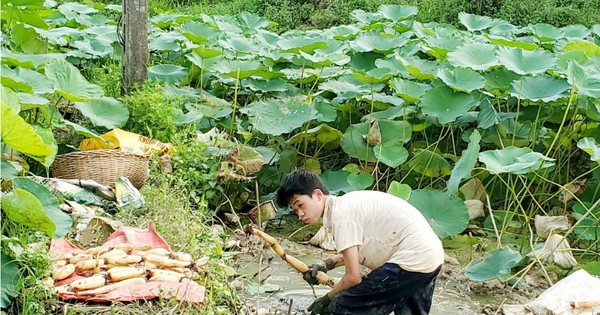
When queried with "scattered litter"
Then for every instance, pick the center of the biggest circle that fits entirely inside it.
(556, 250)
(544, 225)
(128, 197)
(128, 142)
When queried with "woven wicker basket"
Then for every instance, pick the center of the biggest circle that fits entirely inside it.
(103, 166)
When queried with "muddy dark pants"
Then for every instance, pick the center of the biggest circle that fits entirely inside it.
(387, 289)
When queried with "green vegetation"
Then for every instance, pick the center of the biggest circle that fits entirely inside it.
(481, 109)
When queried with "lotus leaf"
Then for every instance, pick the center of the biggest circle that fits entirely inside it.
(462, 79)
(390, 113)
(19, 135)
(589, 48)
(445, 104)
(393, 65)
(391, 155)
(400, 190)
(465, 164)
(238, 45)
(588, 228)
(14, 81)
(447, 215)
(11, 99)
(301, 43)
(9, 170)
(348, 86)
(576, 32)
(475, 56)
(397, 12)
(336, 181)
(366, 17)
(499, 79)
(69, 83)
(420, 69)
(252, 21)
(410, 91)
(360, 181)
(589, 146)
(377, 42)
(514, 160)
(585, 81)
(546, 32)
(30, 61)
(106, 112)
(322, 133)
(373, 76)
(380, 100)
(429, 163)
(488, 116)
(24, 208)
(279, 116)
(497, 40)
(239, 69)
(497, 264)
(167, 73)
(525, 62)
(354, 144)
(62, 221)
(474, 22)
(540, 88)
(11, 278)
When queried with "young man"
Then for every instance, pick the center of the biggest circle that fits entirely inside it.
(373, 229)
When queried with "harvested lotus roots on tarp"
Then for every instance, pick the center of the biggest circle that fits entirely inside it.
(133, 264)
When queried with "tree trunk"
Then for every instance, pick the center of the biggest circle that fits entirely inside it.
(135, 46)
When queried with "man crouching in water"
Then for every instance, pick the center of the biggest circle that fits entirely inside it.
(373, 229)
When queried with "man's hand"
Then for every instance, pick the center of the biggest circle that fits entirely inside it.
(320, 306)
(311, 275)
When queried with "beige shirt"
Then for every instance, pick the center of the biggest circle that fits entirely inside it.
(385, 228)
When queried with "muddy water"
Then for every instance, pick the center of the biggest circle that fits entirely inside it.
(295, 295)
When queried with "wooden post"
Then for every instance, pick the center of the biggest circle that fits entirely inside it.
(135, 45)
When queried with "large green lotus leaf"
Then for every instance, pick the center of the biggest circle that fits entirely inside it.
(48, 138)
(27, 39)
(12, 80)
(420, 69)
(24, 208)
(445, 104)
(397, 12)
(167, 73)
(327, 111)
(586, 82)
(342, 32)
(590, 106)
(360, 181)
(391, 155)
(377, 42)
(366, 17)
(165, 43)
(238, 44)
(439, 47)
(410, 91)
(589, 146)
(540, 88)
(322, 133)
(62, 221)
(462, 79)
(348, 86)
(279, 116)
(30, 61)
(596, 29)
(525, 62)
(393, 132)
(546, 32)
(320, 59)
(364, 60)
(400, 190)
(447, 215)
(69, 83)
(499, 79)
(514, 160)
(378, 75)
(253, 21)
(336, 181)
(206, 52)
(270, 85)
(11, 278)
(429, 163)
(9, 170)
(390, 113)
(380, 100)
(106, 112)
(589, 48)
(475, 56)
(395, 66)
(488, 116)
(465, 164)
(198, 32)
(302, 43)
(576, 32)
(225, 23)
(474, 22)
(497, 264)
(354, 145)
(239, 69)
(497, 40)
(10, 99)
(565, 57)
(39, 82)
(94, 47)
(19, 135)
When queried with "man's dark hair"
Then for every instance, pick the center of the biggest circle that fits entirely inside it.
(301, 182)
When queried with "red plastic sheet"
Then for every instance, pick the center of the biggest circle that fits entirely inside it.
(190, 291)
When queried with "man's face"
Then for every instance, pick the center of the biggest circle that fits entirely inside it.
(309, 208)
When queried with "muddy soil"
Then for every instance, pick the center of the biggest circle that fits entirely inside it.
(454, 294)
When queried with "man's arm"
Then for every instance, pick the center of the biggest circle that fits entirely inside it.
(353, 276)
